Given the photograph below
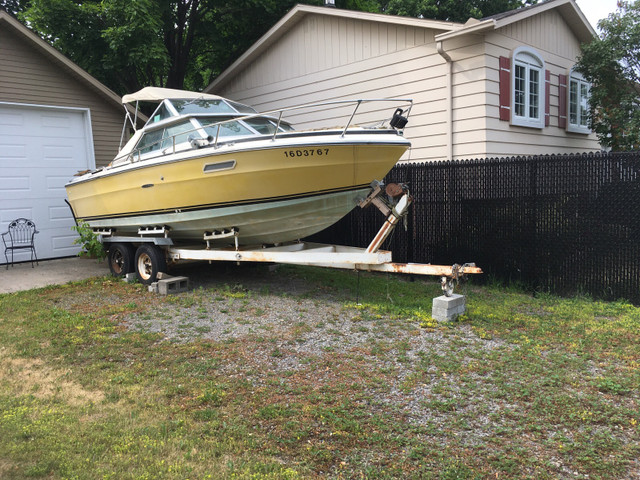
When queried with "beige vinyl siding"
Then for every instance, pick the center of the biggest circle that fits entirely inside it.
(469, 97)
(319, 43)
(548, 34)
(29, 76)
(328, 58)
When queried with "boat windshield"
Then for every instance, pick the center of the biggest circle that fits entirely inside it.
(161, 113)
(165, 137)
(266, 126)
(185, 107)
(227, 129)
(261, 125)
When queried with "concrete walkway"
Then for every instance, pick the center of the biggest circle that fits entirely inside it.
(49, 272)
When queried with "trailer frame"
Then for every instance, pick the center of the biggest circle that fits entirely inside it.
(147, 253)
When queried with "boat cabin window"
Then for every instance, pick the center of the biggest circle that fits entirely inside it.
(150, 141)
(227, 129)
(163, 137)
(161, 113)
(180, 132)
(267, 126)
(185, 107)
(243, 108)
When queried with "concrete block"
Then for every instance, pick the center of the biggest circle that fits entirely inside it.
(170, 285)
(445, 309)
(153, 288)
(130, 277)
(449, 302)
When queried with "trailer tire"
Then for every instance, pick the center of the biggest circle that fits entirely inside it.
(150, 261)
(120, 258)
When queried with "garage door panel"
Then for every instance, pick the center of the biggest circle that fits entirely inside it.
(8, 214)
(11, 152)
(55, 184)
(61, 216)
(62, 155)
(35, 166)
(63, 244)
(11, 119)
(67, 153)
(15, 183)
(61, 120)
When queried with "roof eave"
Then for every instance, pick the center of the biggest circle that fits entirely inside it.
(479, 27)
(567, 8)
(572, 14)
(59, 58)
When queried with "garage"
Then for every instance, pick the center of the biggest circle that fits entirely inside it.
(41, 148)
(55, 119)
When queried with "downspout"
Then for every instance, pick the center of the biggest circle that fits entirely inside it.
(449, 87)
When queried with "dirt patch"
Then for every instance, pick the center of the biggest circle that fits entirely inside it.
(29, 376)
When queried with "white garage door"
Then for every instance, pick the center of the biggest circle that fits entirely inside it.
(41, 148)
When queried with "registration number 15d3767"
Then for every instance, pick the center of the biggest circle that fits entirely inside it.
(306, 152)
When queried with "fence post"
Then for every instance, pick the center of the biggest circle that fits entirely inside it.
(533, 222)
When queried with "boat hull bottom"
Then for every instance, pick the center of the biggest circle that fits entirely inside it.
(261, 223)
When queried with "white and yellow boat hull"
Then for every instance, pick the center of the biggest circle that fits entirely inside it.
(271, 191)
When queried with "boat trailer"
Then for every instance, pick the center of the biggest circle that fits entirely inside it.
(147, 254)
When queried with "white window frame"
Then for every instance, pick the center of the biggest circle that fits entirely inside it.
(581, 122)
(529, 61)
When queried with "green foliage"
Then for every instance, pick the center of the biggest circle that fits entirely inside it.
(453, 10)
(612, 64)
(118, 41)
(130, 44)
(91, 246)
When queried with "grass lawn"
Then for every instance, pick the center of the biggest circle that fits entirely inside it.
(520, 387)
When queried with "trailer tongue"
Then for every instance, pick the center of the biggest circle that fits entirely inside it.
(147, 253)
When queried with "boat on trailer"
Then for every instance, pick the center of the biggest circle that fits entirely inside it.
(204, 164)
(210, 179)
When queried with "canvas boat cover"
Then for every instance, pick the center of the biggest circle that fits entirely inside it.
(157, 94)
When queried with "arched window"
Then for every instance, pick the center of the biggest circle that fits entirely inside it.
(527, 89)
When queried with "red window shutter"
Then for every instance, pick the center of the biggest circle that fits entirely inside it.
(547, 96)
(505, 88)
(562, 101)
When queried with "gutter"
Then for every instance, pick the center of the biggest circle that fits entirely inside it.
(449, 87)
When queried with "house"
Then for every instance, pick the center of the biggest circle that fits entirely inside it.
(55, 119)
(495, 87)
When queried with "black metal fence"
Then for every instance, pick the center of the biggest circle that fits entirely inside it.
(564, 224)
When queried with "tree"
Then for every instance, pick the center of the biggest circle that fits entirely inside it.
(118, 41)
(453, 10)
(612, 64)
(128, 44)
(14, 6)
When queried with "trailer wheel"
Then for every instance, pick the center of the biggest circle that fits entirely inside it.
(150, 261)
(121, 256)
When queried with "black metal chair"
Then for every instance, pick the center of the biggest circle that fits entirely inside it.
(20, 236)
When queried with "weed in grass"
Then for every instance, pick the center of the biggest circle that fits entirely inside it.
(609, 385)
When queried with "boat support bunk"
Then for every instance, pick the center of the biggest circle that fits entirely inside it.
(157, 247)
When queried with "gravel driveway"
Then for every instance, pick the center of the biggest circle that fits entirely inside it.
(284, 321)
